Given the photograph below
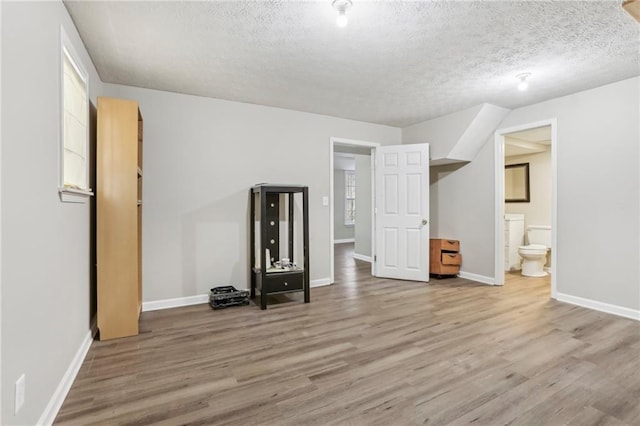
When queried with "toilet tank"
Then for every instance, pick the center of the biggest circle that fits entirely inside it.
(539, 234)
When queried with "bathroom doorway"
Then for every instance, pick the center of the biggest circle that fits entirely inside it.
(526, 225)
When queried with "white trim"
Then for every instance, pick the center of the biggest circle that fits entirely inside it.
(499, 208)
(156, 305)
(320, 282)
(344, 241)
(349, 142)
(599, 306)
(0, 226)
(362, 257)
(177, 302)
(499, 198)
(331, 212)
(475, 277)
(373, 211)
(51, 411)
(70, 195)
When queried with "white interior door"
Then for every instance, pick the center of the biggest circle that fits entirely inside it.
(402, 212)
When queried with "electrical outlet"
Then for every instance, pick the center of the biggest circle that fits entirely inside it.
(20, 389)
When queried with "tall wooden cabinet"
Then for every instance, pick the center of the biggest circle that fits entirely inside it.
(119, 217)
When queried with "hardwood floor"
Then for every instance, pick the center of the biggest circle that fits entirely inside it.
(370, 351)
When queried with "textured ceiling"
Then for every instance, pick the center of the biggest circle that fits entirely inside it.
(396, 63)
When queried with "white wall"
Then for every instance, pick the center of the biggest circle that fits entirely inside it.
(340, 230)
(461, 200)
(538, 211)
(598, 194)
(363, 206)
(201, 157)
(45, 243)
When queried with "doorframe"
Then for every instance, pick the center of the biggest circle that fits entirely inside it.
(499, 198)
(333, 141)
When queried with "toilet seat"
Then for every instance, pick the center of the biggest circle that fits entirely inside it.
(532, 249)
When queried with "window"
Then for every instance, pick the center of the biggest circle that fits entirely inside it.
(349, 197)
(74, 138)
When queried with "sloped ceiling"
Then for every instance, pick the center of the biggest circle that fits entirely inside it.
(396, 63)
(529, 141)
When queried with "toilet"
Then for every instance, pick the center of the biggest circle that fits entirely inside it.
(534, 255)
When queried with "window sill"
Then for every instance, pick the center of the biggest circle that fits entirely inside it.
(70, 195)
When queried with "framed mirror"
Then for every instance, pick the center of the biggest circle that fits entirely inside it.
(516, 183)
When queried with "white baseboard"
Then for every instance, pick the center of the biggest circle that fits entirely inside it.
(476, 277)
(203, 298)
(362, 257)
(51, 411)
(599, 306)
(344, 240)
(320, 282)
(174, 303)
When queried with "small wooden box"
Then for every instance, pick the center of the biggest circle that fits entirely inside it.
(444, 257)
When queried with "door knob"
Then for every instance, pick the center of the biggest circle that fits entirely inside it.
(425, 221)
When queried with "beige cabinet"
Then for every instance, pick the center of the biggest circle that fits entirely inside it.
(119, 217)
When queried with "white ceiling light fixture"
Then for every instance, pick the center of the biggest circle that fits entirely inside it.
(342, 6)
(524, 84)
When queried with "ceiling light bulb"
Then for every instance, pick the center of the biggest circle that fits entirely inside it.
(342, 6)
(342, 20)
(523, 85)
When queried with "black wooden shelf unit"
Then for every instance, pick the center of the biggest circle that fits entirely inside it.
(271, 205)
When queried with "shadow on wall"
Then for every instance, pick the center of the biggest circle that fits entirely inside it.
(215, 246)
(436, 174)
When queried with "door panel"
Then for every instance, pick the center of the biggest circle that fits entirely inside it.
(389, 246)
(413, 249)
(391, 194)
(414, 186)
(402, 206)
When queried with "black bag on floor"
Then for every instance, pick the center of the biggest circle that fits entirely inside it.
(222, 297)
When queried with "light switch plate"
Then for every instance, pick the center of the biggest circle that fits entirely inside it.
(325, 201)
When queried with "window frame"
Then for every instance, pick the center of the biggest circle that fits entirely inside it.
(66, 49)
(347, 198)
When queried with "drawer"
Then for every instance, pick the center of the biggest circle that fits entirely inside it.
(446, 270)
(282, 281)
(451, 259)
(448, 245)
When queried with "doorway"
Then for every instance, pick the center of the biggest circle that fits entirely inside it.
(398, 210)
(360, 152)
(521, 205)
